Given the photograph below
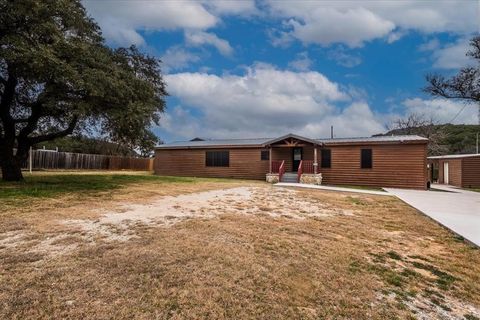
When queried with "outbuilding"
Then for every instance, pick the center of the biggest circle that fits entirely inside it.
(460, 170)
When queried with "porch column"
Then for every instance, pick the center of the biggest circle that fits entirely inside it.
(315, 163)
(270, 159)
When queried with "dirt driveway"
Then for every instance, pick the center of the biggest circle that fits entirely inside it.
(241, 251)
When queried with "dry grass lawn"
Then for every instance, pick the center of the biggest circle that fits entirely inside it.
(225, 249)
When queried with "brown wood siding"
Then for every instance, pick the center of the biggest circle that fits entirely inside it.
(283, 154)
(244, 163)
(396, 165)
(454, 172)
(471, 172)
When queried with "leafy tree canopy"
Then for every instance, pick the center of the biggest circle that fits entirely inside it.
(58, 77)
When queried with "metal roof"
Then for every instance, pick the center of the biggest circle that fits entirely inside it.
(214, 142)
(259, 142)
(400, 138)
(452, 156)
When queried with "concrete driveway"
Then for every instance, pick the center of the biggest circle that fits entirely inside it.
(456, 209)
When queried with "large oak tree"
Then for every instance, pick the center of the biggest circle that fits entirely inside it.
(57, 77)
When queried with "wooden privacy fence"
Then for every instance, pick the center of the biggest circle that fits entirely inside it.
(47, 159)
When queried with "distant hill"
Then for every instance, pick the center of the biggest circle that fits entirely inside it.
(450, 138)
(81, 144)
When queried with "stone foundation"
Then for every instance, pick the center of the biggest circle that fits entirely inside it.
(272, 177)
(311, 178)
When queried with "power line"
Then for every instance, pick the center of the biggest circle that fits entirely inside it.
(464, 106)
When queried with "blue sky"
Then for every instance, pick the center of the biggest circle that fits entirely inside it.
(265, 68)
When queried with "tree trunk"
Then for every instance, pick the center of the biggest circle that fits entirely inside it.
(11, 162)
(11, 169)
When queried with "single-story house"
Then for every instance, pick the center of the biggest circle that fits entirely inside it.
(383, 161)
(460, 170)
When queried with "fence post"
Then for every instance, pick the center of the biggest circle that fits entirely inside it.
(30, 155)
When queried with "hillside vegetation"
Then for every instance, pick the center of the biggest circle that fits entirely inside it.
(450, 138)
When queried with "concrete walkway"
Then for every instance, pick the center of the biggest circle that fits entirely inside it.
(456, 209)
(311, 186)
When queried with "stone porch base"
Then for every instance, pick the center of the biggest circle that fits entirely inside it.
(311, 178)
(306, 178)
(272, 178)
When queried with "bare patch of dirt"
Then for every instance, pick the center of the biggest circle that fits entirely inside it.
(232, 250)
(167, 211)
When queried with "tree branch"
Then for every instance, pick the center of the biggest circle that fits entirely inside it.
(55, 135)
(32, 121)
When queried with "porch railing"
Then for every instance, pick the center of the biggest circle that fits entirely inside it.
(276, 166)
(305, 166)
(300, 171)
(281, 171)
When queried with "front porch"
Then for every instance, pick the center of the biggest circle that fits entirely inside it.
(293, 159)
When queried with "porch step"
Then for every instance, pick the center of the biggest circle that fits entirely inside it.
(290, 177)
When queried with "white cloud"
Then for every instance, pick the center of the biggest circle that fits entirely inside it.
(430, 45)
(355, 22)
(280, 39)
(265, 101)
(449, 56)
(121, 21)
(118, 33)
(395, 36)
(177, 58)
(343, 58)
(352, 27)
(200, 38)
(452, 56)
(301, 63)
(225, 7)
(442, 111)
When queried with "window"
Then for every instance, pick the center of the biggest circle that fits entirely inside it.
(326, 158)
(217, 158)
(265, 155)
(366, 160)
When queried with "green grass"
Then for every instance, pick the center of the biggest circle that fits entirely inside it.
(51, 185)
(474, 189)
(444, 280)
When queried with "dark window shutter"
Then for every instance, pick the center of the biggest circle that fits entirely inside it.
(217, 158)
(326, 158)
(366, 159)
(265, 155)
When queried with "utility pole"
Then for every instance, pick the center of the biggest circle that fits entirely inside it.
(478, 123)
(477, 143)
(478, 114)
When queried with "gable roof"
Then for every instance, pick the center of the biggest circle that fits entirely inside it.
(263, 142)
(294, 136)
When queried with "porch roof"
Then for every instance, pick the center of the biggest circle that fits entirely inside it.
(292, 137)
